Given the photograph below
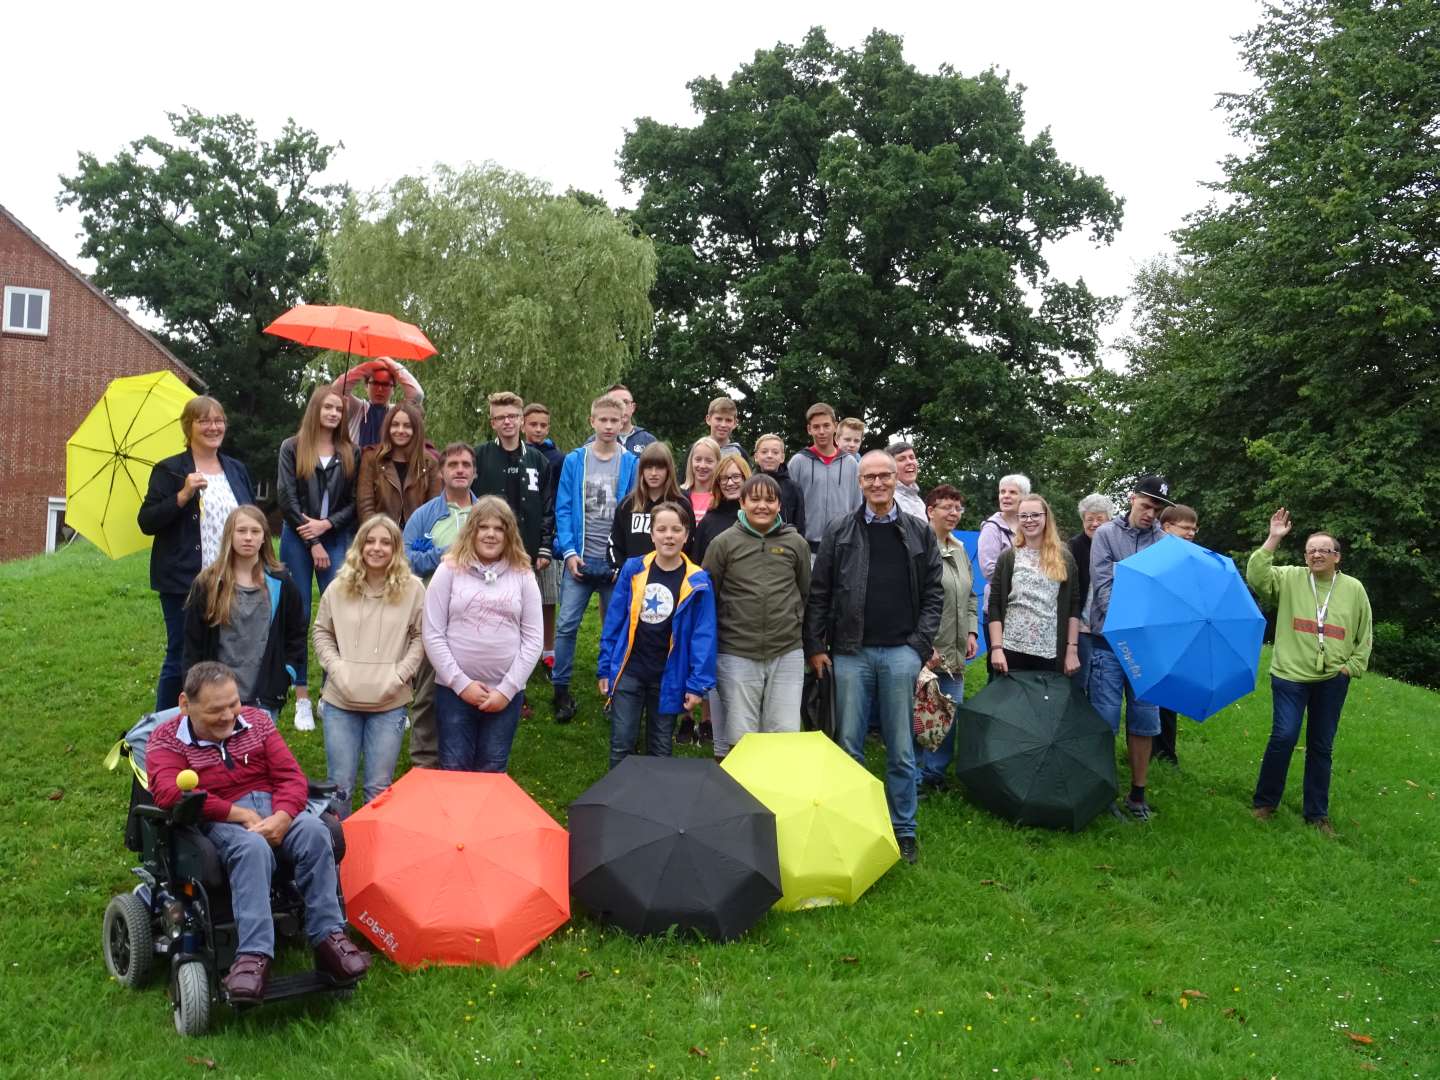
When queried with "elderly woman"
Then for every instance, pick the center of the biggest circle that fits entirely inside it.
(955, 642)
(997, 534)
(188, 502)
(1095, 510)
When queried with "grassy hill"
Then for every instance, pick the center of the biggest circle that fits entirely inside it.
(1205, 944)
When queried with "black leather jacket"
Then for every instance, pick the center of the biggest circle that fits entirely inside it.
(306, 498)
(835, 610)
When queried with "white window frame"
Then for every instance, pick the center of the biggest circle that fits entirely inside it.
(54, 507)
(19, 290)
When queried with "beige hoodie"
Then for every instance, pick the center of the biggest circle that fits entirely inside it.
(370, 647)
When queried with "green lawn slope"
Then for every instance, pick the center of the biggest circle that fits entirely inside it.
(1205, 944)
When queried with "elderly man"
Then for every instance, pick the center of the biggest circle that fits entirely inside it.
(876, 597)
(255, 797)
(1323, 636)
(907, 490)
(1118, 539)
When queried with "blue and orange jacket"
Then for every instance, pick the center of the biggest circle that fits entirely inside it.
(691, 664)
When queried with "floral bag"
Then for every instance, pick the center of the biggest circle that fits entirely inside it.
(934, 712)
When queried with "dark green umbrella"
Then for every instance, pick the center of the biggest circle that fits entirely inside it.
(1032, 749)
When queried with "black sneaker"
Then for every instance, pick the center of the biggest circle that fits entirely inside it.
(909, 849)
(1140, 811)
(565, 707)
(686, 734)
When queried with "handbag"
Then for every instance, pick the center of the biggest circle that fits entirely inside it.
(934, 711)
(817, 703)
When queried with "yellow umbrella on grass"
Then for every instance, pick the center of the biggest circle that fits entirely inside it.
(831, 819)
(108, 459)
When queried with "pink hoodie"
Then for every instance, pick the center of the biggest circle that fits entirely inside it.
(483, 631)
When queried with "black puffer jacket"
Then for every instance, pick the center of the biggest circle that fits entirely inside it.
(305, 497)
(835, 610)
(792, 499)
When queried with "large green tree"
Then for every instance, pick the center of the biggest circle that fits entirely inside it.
(517, 288)
(216, 233)
(1291, 355)
(841, 226)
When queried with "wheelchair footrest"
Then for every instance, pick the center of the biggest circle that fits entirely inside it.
(306, 982)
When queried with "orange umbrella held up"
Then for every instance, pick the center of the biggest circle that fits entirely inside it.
(352, 330)
(455, 868)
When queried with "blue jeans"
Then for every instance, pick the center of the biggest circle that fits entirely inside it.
(348, 734)
(295, 554)
(1323, 702)
(574, 599)
(172, 675)
(1086, 650)
(250, 864)
(1109, 689)
(885, 676)
(630, 699)
(934, 763)
(471, 740)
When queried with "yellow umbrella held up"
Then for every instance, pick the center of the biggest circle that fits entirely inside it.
(831, 820)
(108, 459)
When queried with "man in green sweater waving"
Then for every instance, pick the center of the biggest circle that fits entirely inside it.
(1322, 641)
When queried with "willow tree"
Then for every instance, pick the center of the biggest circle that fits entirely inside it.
(518, 288)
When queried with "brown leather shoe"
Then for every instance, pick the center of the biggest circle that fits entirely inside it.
(338, 956)
(1322, 825)
(246, 979)
(1262, 813)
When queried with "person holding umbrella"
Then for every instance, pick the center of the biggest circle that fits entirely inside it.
(1108, 689)
(1034, 599)
(316, 488)
(365, 418)
(1323, 637)
(189, 499)
(876, 599)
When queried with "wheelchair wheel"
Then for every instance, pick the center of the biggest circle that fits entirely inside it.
(191, 994)
(128, 940)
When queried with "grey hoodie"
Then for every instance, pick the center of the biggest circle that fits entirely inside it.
(831, 491)
(1117, 539)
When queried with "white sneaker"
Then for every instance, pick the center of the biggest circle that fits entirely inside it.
(304, 715)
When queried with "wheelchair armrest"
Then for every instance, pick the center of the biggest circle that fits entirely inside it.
(321, 789)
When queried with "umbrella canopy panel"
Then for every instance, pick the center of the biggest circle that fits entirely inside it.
(662, 842)
(352, 330)
(831, 817)
(1033, 750)
(108, 459)
(455, 868)
(1185, 627)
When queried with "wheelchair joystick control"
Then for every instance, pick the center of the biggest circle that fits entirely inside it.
(187, 779)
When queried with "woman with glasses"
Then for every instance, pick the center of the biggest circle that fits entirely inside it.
(730, 477)
(190, 497)
(1034, 598)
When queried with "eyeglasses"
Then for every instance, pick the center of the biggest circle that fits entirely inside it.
(877, 478)
(1321, 551)
(504, 418)
(210, 422)
(1031, 517)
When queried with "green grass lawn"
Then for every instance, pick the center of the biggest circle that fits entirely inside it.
(1205, 944)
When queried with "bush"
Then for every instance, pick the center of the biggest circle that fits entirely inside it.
(1411, 655)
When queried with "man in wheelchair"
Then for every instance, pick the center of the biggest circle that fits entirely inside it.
(254, 793)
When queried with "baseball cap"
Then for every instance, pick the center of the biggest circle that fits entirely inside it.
(1154, 486)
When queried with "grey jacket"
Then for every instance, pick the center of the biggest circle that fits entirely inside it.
(831, 491)
(1115, 540)
(835, 610)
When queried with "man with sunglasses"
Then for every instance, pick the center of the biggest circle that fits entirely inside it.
(366, 418)
(1322, 641)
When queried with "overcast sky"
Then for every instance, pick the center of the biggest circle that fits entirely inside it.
(1127, 88)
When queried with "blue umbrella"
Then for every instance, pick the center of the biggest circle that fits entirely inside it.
(1185, 627)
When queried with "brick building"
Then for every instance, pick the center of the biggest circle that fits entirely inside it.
(61, 342)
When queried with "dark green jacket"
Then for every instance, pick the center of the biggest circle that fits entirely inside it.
(761, 584)
(1067, 601)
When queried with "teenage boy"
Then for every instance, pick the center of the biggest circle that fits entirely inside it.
(760, 571)
(907, 491)
(366, 419)
(876, 597)
(1323, 637)
(536, 422)
(657, 650)
(1179, 521)
(849, 435)
(1118, 539)
(632, 438)
(429, 532)
(770, 460)
(721, 418)
(828, 478)
(593, 480)
(509, 467)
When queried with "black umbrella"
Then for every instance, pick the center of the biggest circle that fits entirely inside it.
(662, 842)
(1032, 749)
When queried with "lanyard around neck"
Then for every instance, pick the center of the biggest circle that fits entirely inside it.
(1322, 609)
